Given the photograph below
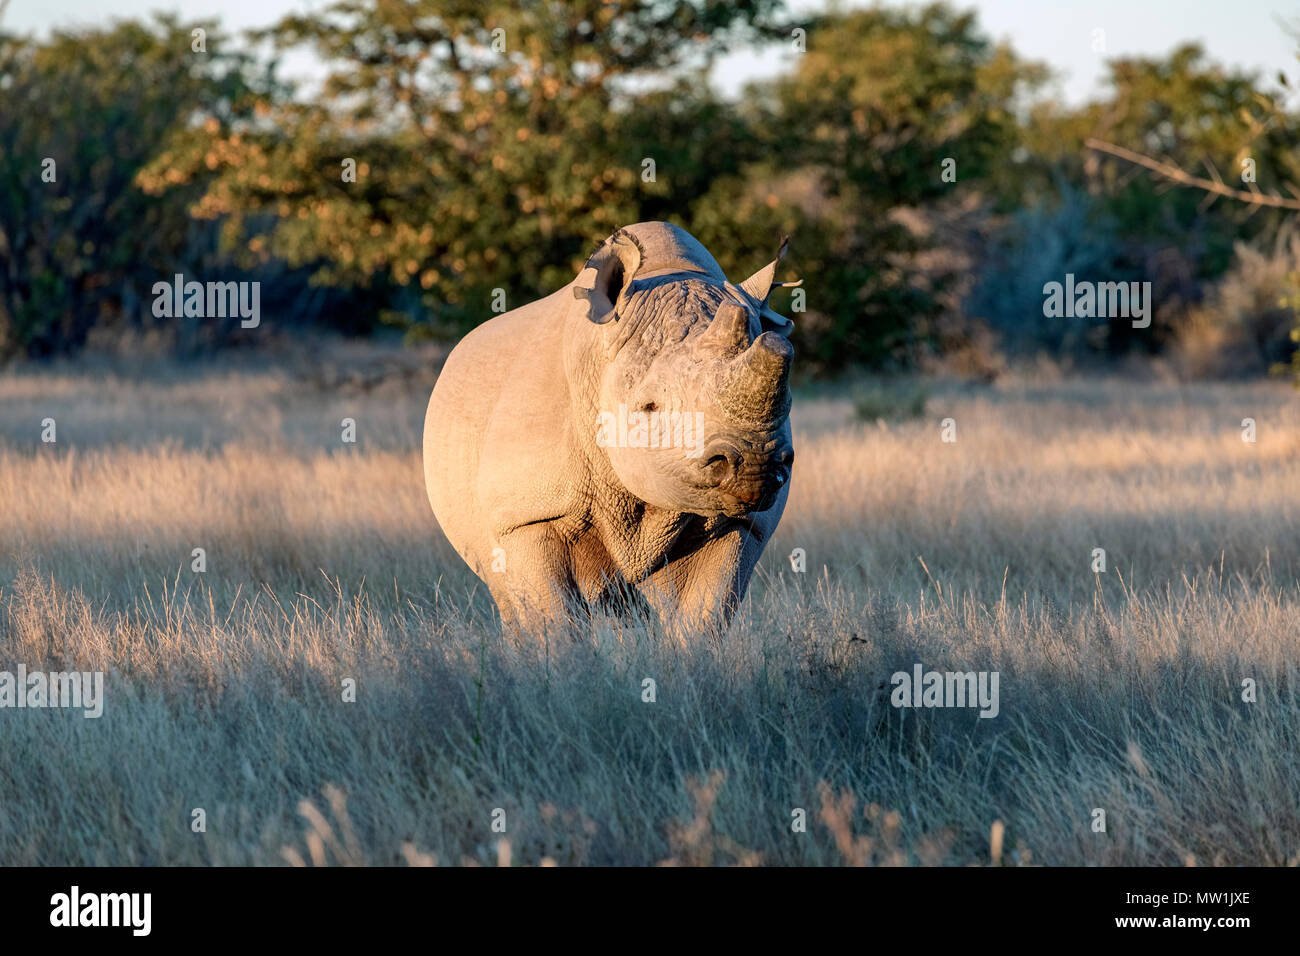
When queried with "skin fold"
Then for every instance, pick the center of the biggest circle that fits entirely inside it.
(620, 445)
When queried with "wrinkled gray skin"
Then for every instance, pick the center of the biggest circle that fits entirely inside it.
(513, 458)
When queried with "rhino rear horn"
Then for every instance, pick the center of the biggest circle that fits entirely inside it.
(607, 273)
(728, 333)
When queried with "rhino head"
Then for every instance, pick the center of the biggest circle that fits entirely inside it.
(693, 396)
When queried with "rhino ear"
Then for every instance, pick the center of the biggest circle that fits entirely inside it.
(606, 275)
(759, 285)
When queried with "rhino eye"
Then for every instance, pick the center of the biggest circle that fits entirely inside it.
(650, 407)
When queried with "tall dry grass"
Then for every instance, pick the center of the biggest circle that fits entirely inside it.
(1119, 691)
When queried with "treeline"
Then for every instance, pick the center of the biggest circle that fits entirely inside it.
(454, 157)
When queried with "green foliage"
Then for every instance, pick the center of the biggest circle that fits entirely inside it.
(862, 127)
(883, 96)
(860, 306)
(493, 144)
(1292, 301)
(1077, 210)
(484, 167)
(1243, 325)
(489, 142)
(85, 248)
(1194, 114)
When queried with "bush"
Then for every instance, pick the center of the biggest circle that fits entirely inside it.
(901, 400)
(1244, 326)
(1040, 245)
(80, 246)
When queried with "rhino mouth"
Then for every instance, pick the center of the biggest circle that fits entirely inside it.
(749, 478)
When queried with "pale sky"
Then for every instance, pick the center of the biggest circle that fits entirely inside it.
(1243, 33)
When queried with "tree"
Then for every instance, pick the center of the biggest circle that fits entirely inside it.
(860, 129)
(1189, 113)
(484, 137)
(79, 244)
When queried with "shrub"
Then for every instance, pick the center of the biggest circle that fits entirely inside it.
(1245, 325)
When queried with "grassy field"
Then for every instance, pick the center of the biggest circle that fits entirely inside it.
(1120, 691)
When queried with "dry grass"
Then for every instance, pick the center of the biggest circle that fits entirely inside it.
(1119, 691)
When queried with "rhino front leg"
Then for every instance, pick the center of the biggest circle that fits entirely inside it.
(531, 580)
(699, 591)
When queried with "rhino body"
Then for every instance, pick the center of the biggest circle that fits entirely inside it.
(622, 443)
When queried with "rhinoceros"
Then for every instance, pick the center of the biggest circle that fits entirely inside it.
(623, 443)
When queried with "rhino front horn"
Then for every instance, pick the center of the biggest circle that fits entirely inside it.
(756, 386)
(728, 333)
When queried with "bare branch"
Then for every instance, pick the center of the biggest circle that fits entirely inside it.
(1253, 198)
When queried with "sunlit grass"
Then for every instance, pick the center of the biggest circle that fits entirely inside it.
(1119, 691)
